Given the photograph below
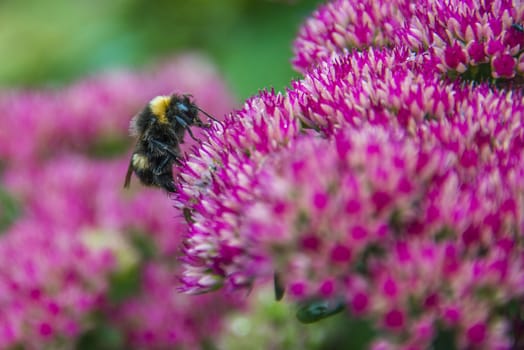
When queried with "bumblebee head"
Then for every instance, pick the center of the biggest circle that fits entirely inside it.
(182, 107)
(167, 109)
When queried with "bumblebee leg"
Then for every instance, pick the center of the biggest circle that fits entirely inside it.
(517, 26)
(159, 168)
(165, 180)
(186, 126)
(169, 186)
(201, 124)
(162, 146)
(128, 174)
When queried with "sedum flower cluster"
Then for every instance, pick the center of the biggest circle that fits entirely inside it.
(476, 40)
(387, 181)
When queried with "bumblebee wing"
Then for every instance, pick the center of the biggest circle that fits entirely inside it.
(129, 173)
(133, 125)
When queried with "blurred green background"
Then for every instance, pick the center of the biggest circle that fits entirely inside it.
(54, 42)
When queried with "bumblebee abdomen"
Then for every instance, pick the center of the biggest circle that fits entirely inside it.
(154, 171)
(140, 161)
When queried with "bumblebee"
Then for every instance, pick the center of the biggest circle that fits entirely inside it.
(160, 128)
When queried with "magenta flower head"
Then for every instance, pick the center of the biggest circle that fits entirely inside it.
(217, 182)
(323, 203)
(397, 197)
(476, 40)
(343, 25)
(388, 226)
(392, 88)
(57, 258)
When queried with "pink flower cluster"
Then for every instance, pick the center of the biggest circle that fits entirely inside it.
(217, 183)
(476, 40)
(51, 278)
(386, 87)
(78, 229)
(346, 25)
(373, 180)
(161, 318)
(392, 228)
(49, 281)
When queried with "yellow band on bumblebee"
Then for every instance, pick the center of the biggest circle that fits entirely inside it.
(159, 106)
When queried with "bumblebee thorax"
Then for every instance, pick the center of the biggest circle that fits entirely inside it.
(159, 107)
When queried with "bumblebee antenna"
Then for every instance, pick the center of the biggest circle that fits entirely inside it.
(209, 116)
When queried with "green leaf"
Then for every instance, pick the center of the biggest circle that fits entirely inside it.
(445, 340)
(9, 209)
(144, 244)
(103, 337)
(124, 284)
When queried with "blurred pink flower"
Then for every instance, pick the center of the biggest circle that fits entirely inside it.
(49, 254)
(40, 123)
(82, 192)
(49, 281)
(76, 231)
(78, 227)
(161, 318)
